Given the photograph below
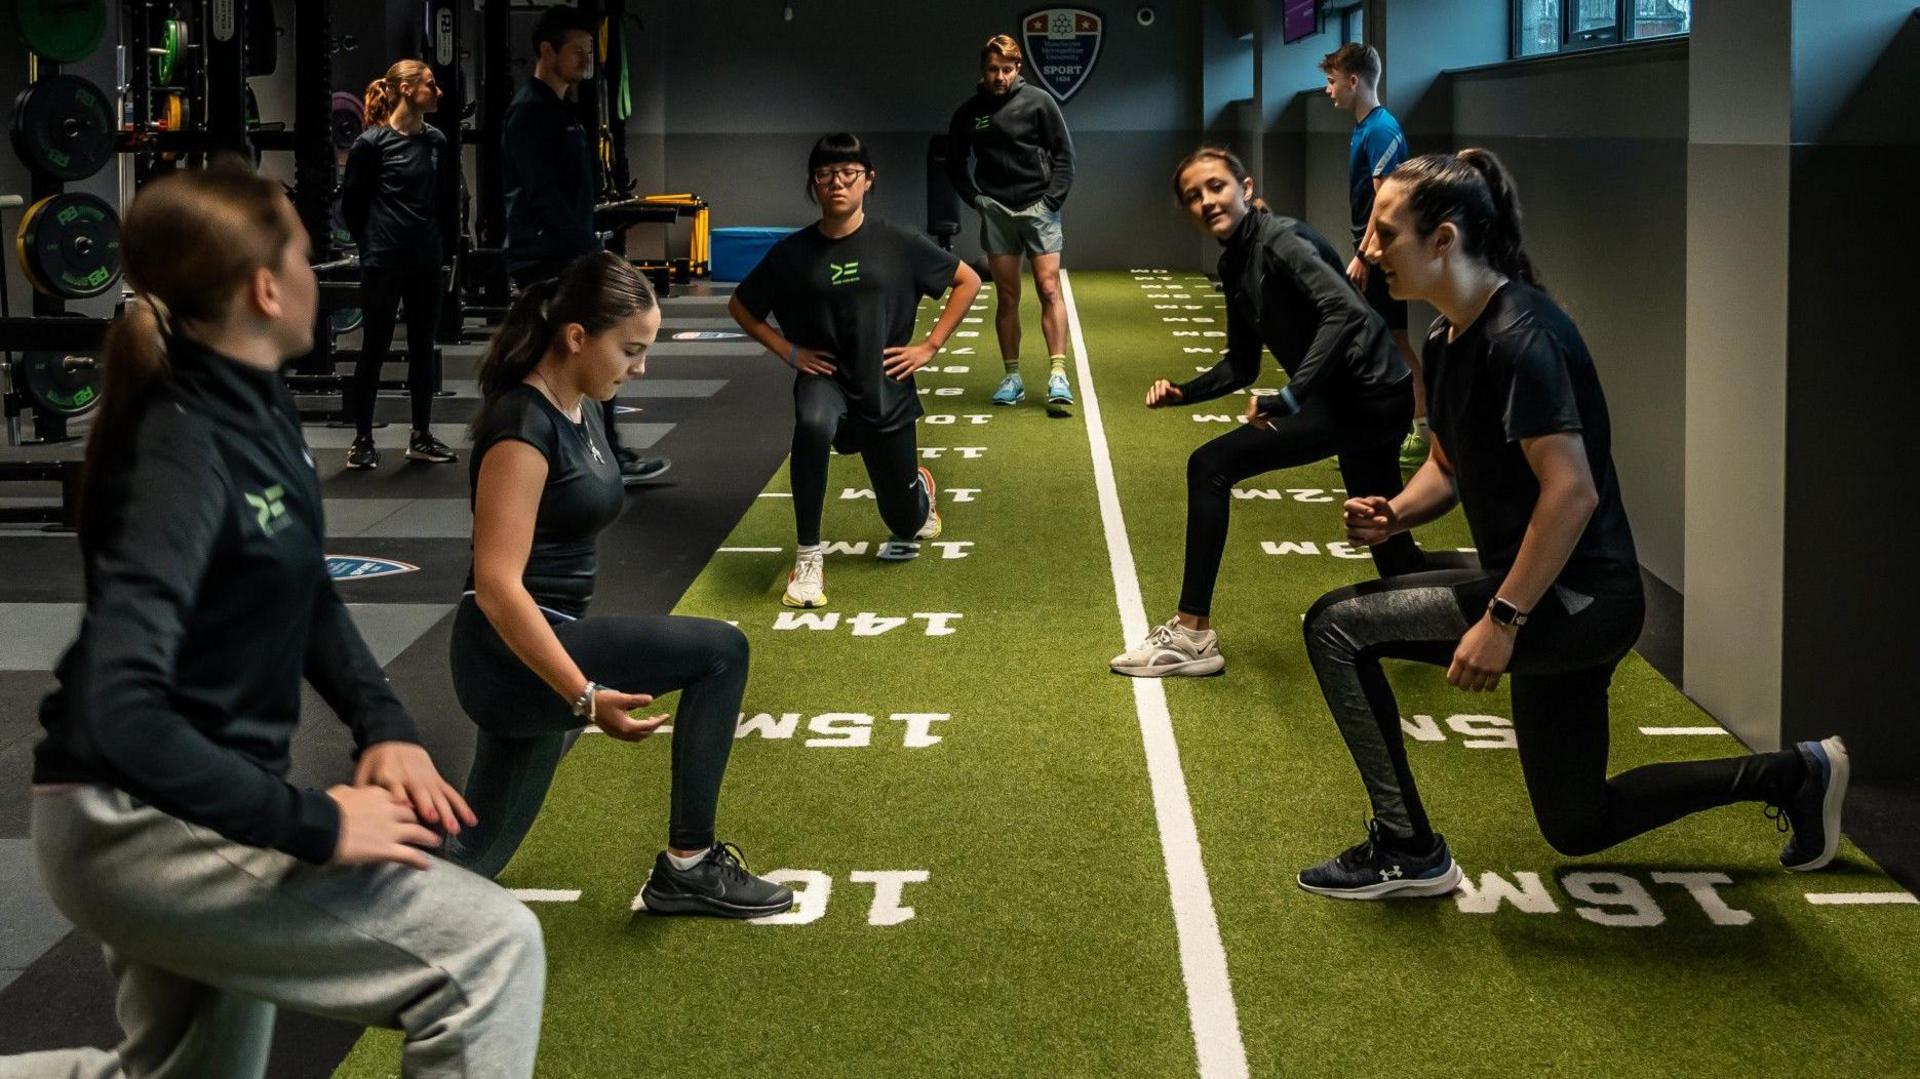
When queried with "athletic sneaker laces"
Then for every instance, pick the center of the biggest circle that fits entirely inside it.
(1812, 813)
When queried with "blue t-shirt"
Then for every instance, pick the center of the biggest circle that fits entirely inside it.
(1378, 147)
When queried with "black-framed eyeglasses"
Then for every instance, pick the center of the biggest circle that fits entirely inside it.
(846, 174)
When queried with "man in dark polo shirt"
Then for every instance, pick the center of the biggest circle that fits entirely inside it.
(549, 178)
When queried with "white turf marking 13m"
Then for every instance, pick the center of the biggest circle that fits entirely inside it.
(1203, 958)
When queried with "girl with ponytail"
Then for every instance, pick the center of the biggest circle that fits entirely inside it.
(530, 666)
(1521, 441)
(400, 204)
(163, 820)
(1348, 395)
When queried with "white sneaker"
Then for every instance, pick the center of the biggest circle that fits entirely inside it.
(905, 550)
(1171, 650)
(807, 582)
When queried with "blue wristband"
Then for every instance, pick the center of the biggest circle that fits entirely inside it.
(793, 356)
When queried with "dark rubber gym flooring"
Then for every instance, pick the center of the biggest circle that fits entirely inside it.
(708, 405)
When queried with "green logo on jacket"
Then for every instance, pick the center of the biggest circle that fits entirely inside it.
(269, 511)
(981, 123)
(844, 273)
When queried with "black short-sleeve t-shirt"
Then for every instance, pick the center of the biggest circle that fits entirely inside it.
(583, 494)
(852, 298)
(1522, 371)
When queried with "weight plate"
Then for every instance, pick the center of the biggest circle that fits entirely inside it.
(63, 383)
(64, 31)
(349, 118)
(63, 127)
(69, 246)
(346, 319)
(173, 45)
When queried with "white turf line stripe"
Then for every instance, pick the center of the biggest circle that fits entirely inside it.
(1659, 731)
(547, 895)
(750, 550)
(1203, 958)
(1860, 899)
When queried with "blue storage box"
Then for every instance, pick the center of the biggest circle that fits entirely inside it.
(736, 251)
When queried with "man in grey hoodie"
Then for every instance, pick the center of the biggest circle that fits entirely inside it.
(1010, 157)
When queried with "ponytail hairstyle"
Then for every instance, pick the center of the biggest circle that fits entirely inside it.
(1473, 190)
(597, 291)
(1226, 157)
(190, 241)
(385, 93)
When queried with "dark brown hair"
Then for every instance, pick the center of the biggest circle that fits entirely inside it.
(1226, 157)
(189, 242)
(1354, 58)
(1473, 190)
(597, 291)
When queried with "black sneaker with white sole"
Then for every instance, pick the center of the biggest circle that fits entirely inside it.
(636, 470)
(718, 885)
(422, 446)
(1814, 810)
(362, 454)
(1375, 869)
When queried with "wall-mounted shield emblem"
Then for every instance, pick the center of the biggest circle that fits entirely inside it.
(1061, 44)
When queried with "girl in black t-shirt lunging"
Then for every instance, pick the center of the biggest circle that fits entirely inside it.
(1521, 441)
(528, 664)
(845, 292)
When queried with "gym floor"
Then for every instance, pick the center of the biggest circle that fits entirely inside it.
(983, 842)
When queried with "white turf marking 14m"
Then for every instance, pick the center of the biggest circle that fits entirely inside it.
(1211, 1011)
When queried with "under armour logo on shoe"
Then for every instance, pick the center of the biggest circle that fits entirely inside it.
(1392, 872)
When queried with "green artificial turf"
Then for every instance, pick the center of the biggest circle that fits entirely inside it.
(1042, 939)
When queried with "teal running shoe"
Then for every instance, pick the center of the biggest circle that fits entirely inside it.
(1059, 395)
(1011, 392)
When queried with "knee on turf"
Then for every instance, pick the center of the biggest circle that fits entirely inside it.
(1574, 835)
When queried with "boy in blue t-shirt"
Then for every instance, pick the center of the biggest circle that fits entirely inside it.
(1378, 147)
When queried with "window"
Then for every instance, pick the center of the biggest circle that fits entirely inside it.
(1541, 27)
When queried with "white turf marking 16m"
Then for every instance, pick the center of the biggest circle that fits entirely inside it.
(1211, 1010)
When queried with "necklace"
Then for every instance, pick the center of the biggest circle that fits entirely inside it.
(579, 426)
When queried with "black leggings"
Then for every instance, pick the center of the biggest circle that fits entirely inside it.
(1563, 661)
(525, 727)
(821, 425)
(381, 293)
(1365, 433)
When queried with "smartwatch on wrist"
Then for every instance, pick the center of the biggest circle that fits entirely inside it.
(583, 704)
(1505, 613)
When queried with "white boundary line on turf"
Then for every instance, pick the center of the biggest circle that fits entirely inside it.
(1682, 731)
(1860, 899)
(547, 895)
(1203, 957)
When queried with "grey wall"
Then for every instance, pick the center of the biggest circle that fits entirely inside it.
(1604, 189)
(743, 99)
(734, 114)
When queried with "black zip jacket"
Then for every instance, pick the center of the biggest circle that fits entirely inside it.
(1286, 288)
(1021, 151)
(207, 600)
(547, 172)
(395, 198)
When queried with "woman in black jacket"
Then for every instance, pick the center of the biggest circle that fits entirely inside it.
(400, 205)
(1348, 393)
(162, 818)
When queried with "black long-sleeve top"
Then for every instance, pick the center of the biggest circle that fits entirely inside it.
(397, 199)
(207, 601)
(547, 172)
(1286, 288)
(1019, 145)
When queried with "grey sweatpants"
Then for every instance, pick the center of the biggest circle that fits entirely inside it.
(206, 936)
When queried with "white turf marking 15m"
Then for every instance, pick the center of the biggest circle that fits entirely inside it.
(1203, 958)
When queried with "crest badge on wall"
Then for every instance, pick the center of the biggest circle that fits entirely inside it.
(1061, 44)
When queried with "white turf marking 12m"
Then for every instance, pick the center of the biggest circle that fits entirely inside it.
(1203, 957)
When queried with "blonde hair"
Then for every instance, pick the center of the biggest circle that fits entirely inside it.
(385, 93)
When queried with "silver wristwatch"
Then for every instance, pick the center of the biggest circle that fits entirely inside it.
(583, 704)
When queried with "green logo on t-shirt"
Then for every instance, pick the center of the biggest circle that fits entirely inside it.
(844, 273)
(981, 123)
(269, 512)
